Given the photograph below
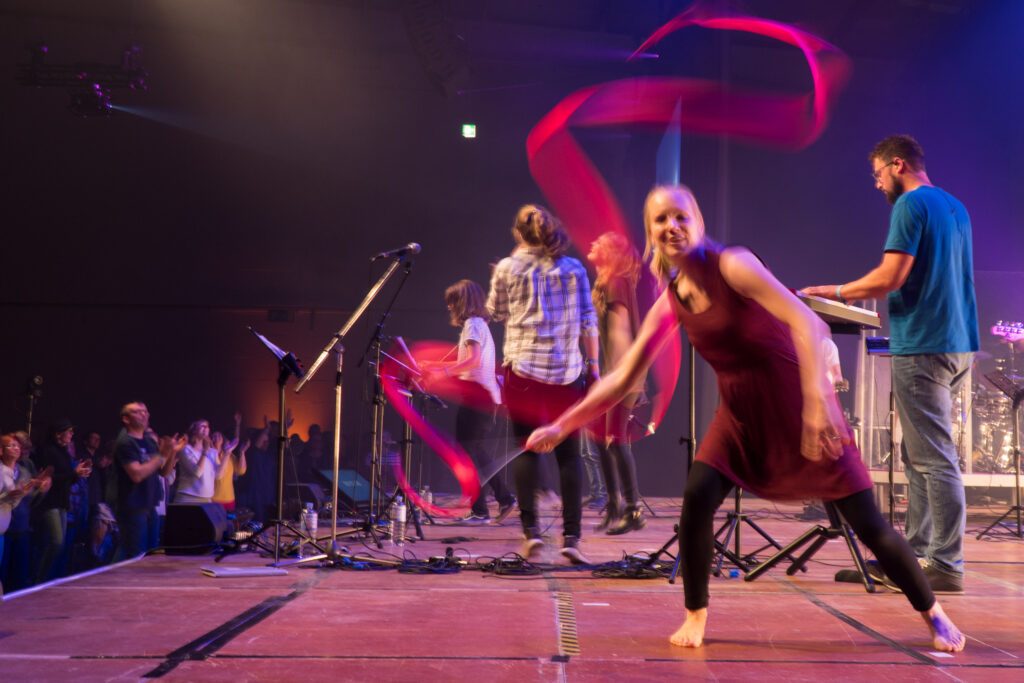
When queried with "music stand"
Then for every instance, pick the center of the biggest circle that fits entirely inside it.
(1015, 392)
(287, 365)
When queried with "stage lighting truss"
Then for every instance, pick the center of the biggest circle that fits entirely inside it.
(89, 83)
(94, 101)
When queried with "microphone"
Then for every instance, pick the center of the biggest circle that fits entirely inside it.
(407, 250)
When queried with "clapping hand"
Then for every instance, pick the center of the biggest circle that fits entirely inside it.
(171, 445)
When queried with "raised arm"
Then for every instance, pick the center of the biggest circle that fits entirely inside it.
(824, 431)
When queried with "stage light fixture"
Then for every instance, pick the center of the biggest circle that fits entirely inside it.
(89, 83)
(92, 101)
(469, 130)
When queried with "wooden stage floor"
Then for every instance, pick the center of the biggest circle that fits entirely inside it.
(160, 617)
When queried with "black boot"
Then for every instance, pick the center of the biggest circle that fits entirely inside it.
(610, 516)
(632, 520)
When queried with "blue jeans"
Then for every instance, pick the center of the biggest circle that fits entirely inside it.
(592, 463)
(140, 531)
(936, 508)
(51, 529)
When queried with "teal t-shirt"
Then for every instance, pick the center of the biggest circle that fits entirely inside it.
(935, 311)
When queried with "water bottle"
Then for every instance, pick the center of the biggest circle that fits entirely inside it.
(398, 522)
(309, 528)
(392, 520)
(427, 495)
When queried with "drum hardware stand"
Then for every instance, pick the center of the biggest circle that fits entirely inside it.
(413, 510)
(1016, 395)
(817, 537)
(369, 522)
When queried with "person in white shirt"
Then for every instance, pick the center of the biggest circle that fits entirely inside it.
(198, 465)
(474, 368)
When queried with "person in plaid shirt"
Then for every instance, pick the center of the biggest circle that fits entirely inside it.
(543, 297)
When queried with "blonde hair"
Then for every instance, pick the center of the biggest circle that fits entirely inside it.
(465, 300)
(660, 266)
(621, 260)
(538, 227)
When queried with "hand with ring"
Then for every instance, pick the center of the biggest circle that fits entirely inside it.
(824, 430)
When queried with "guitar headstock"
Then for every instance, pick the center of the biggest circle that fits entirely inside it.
(1010, 332)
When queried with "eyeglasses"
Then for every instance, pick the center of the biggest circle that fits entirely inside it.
(877, 173)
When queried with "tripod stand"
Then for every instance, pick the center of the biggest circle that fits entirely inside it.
(817, 536)
(1016, 395)
(731, 528)
(691, 448)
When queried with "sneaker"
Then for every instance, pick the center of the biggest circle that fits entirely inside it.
(943, 582)
(475, 520)
(633, 520)
(571, 551)
(532, 546)
(595, 502)
(504, 511)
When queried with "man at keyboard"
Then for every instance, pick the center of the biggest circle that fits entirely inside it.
(927, 274)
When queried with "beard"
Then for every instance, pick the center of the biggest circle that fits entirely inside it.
(895, 193)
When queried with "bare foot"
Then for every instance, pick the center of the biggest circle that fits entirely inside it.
(691, 633)
(946, 637)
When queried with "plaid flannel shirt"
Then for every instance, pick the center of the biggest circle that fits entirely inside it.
(546, 307)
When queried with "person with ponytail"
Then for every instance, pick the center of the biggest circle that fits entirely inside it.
(550, 353)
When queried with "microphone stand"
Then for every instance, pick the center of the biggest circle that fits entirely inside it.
(378, 505)
(335, 343)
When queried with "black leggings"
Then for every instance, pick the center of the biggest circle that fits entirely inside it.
(617, 462)
(706, 489)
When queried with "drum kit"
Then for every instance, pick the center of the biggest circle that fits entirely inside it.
(992, 450)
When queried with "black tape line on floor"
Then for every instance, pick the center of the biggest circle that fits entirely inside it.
(209, 643)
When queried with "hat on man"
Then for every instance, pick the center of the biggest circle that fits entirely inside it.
(61, 425)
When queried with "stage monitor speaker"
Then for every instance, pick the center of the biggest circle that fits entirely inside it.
(194, 527)
(353, 490)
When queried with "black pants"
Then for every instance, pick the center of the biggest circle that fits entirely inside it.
(531, 404)
(617, 462)
(706, 488)
(473, 429)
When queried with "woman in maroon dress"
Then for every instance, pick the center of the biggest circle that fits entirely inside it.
(778, 431)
